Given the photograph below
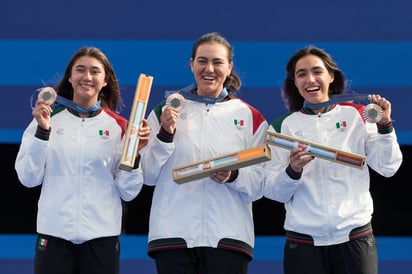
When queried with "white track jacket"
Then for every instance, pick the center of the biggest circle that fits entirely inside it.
(330, 199)
(203, 212)
(78, 170)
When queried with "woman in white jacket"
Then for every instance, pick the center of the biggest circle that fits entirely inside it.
(73, 149)
(328, 204)
(204, 226)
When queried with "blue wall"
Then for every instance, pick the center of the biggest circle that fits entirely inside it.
(370, 40)
(17, 252)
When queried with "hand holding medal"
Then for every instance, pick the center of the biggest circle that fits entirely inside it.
(47, 94)
(176, 101)
(41, 109)
(378, 111)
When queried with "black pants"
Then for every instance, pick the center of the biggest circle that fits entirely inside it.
(58, 256)
(358, 256)
(201, 260)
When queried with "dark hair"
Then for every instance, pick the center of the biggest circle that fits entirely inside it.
(232, 81)
(290, 93)
(109, 95)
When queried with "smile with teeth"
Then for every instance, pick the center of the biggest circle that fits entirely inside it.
(86, 85)
(208, 78)
(312, 89)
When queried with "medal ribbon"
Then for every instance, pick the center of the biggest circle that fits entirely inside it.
(338, 98)
(372, 112)
(68, 103)
(187, 93)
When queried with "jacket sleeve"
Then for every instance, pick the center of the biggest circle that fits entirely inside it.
(250, 180)
(156, 153)
(382, 150)
(129, 183)
(31, 157)
(279, 186)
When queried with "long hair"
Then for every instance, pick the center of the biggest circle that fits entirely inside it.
(109, 95)
(290, 93)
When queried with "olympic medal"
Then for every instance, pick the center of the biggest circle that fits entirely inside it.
(372, 113)
(176, 100)
(48, 94)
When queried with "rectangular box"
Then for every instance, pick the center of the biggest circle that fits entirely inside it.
(232, 161)
(317, 150)
(137, 114)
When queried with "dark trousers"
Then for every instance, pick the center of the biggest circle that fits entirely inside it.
(57, 256)
(201, 260)
(358, 256)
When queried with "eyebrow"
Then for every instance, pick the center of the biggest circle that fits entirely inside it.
(312, 68)
(213, 59)
(84, 66)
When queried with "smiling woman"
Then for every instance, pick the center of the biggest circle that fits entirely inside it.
(77, 142)
(261, 79)
(372, 47)
(323, 238)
